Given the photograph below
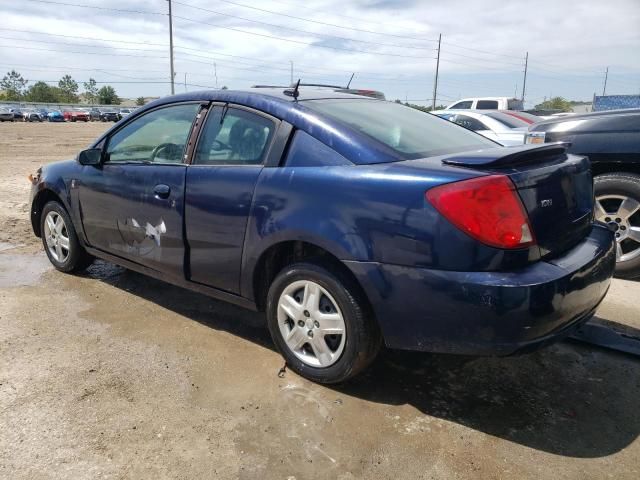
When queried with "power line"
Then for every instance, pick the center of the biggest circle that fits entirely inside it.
(84, 53)
(164, 45)
(320, 22)
(95, 7)
(264, 35)
(48, 42)
(395, 45)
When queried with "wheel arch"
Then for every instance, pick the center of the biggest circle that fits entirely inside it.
(279, 255)
(40, 200)
(604, 167)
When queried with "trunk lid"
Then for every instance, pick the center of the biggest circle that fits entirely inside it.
(556, 189)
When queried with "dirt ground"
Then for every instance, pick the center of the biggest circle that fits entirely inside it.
(114, 375)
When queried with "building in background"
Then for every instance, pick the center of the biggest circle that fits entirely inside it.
(615, 102)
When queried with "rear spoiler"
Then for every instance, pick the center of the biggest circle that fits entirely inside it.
(507, 156)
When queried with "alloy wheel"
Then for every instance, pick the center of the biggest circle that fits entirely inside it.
(311, 323)
(56, 237)
(622, 214)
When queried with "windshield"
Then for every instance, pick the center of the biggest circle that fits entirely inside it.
(508, 120)
(409, 132)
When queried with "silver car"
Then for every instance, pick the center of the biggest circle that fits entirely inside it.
(497, 126)
(6, 115)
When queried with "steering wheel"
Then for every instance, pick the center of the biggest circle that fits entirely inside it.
(172, 151)
(218, 145)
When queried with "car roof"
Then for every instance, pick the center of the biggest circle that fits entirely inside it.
(592, 115)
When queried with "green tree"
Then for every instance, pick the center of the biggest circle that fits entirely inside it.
(69, 88)
(555, 103)
(41, 92)
(140, 101)
(13, 85)
(107, 96)
(90, 91)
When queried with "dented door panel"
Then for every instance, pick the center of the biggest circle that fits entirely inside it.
(124, 213)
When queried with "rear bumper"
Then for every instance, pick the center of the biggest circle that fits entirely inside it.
(489, 313)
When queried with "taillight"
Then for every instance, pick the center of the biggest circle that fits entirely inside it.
(486, 208)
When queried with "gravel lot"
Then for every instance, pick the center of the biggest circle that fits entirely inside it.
(114, 375)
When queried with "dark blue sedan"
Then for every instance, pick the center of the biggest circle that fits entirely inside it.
(350, 221)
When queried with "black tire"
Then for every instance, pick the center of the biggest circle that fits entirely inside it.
(77, 259)
(627, 184)
(363, 337)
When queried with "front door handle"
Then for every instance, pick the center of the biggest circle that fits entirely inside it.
(162, 191)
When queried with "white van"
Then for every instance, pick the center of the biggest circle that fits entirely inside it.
(487, 103)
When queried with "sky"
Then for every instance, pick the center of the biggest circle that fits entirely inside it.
(390, 45)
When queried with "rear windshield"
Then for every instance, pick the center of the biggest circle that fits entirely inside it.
(409, 132)
(508, 120)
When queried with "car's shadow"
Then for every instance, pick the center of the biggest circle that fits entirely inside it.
(568, 399)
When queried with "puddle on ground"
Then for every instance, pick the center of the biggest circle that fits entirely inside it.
(20, 270)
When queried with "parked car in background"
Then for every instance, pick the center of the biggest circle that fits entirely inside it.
(487, 103)
(17, 114)
(75, 115)
(124, 113)
(55, 116)
(31, 115)
(104, 115)
(6, 115)
(348, 220)
(611, 140)
(497, 126)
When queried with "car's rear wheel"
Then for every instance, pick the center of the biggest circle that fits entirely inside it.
(320, 323)
(618, 205)
(60, 240)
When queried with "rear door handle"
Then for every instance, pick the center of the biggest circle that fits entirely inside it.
(162, 191)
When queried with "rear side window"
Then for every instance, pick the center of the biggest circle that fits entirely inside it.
(409, 132)
(234, 137)
(487, 105)
(469, 123)
(462, 105)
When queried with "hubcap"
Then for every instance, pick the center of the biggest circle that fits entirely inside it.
(56, 237)
(311, 323)
(622, 215)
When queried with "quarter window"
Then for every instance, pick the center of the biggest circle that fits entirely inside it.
(469, 123)
(157, 137)
(462, 105)
(234, 137)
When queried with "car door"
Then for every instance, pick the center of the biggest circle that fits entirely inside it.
(233, 145)
(132, 204)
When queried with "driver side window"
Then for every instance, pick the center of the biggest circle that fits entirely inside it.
(157, 137)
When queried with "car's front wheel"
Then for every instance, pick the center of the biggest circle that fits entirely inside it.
(60, 240)
(618, 205)
(320, 323)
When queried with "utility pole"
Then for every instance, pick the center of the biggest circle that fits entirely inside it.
(604, 89)
(435, 83)
(291, 62)
(173, 90)
(524, 81)
(215, 73)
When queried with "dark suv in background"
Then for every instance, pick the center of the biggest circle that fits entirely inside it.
(611, 140)
(103, 115)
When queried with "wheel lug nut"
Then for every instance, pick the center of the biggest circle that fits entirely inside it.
(622, 227)
(316, 324)
(300, 323)
(310, 333)
(618, 220)
(306, 313)
(607, 219)
(617, 235)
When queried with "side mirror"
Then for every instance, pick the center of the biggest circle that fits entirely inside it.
(91, 156)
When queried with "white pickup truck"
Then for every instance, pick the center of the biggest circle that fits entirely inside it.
(487, 103)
